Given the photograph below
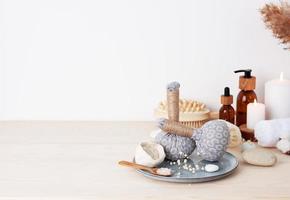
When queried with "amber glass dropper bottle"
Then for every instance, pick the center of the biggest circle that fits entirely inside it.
(247, 84)
(227, 112)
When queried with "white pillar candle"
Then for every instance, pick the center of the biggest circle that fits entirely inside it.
(277, 98)
(255, 113)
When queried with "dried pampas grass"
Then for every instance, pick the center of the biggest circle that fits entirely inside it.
(277, 18)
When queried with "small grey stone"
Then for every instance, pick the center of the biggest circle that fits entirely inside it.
(259, 157)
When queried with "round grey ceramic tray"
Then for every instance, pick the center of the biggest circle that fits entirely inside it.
(227, 165)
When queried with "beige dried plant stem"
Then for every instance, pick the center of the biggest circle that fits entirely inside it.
(173, 101)
(176, 128)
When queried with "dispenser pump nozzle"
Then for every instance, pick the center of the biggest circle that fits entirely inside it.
(246, 71)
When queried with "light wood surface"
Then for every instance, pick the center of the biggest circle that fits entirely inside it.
(79, 160)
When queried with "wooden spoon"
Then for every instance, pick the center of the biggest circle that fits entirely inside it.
(153, 170)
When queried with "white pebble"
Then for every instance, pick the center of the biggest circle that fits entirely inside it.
(211, 168)
(185, 161)
(178, 162)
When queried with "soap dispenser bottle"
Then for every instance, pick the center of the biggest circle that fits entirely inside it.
(247, 84)
(227, 112)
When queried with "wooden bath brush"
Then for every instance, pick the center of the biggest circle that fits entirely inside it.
(191, 113)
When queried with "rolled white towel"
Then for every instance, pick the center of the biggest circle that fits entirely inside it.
(268, 132)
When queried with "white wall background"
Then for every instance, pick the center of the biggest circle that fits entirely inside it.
(111, 59)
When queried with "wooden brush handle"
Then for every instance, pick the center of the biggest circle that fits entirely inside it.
(134, 165)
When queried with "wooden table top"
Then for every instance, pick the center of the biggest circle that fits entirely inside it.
(78, 160)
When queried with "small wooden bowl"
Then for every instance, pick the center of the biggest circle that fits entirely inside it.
(247, 134)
